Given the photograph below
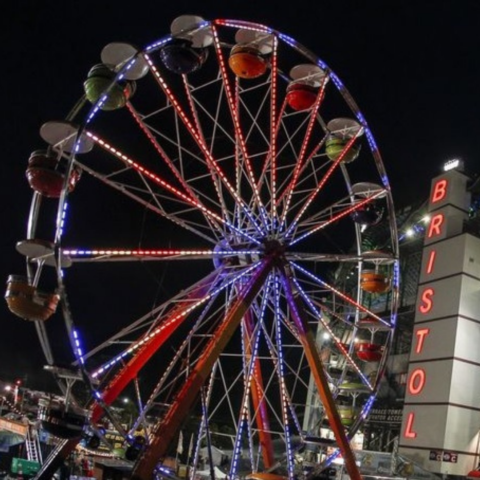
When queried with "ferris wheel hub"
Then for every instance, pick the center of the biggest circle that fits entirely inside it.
(273, 247)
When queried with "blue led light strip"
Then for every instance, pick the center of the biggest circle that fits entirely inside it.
(285, 401)
(341, 295)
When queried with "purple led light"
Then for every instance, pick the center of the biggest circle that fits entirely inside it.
(281, 372)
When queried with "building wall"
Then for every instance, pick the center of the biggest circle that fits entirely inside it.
(441, 415)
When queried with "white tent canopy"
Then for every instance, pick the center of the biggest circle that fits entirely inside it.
(217, 454)
(206, 473)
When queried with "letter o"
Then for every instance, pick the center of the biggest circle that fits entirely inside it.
(417, 381)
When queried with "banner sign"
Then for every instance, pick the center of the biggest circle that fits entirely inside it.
(385, 415)
(443, 456)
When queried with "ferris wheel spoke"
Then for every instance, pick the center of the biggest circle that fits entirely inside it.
(288, 152)
(152, 201)
(303, 152)
(254, 383)
(149, 344)
(320, 378)
(194, 108)
(218, 134)
(335, 218)
(280, 367)
(185, 155)
(147, 321)
(342, 296)
(240, 140)
(271, 158)
(145, 196)
(306, 179)
(142, 170)
(44, 342)
(252, 127)
(80, 255)
(187, 394)
(163, 326)
(178, 175)
(324, 217)
(339, 342)
(212, 164)
(325, 257)
(319, 187)
(186, 350)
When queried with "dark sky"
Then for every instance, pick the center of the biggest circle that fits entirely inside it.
(413, 67)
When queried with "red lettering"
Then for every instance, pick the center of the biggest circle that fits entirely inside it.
(417, 381)
(435, 224)
(409, 433)
(421, 333)
(431, 260)
(427, 304)
(439, 191)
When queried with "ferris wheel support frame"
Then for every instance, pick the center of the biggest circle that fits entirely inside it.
(164, 431)
(307, 338)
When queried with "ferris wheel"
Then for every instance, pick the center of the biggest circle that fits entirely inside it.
(200, 238)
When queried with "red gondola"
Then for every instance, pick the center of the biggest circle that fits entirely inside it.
(369, 352)
(46, 175)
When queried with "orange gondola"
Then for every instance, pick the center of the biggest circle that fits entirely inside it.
(374, 282)
(247, 62)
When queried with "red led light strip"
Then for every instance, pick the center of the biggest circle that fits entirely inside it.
(213, 165)
(325, 178)
(234, 114)
(301, 157)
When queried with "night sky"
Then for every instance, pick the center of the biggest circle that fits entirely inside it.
(413, 68)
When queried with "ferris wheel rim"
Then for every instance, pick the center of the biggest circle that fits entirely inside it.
(223, 227)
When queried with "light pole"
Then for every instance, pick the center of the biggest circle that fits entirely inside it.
(7, 389)
(127, 409)
(16, 391)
